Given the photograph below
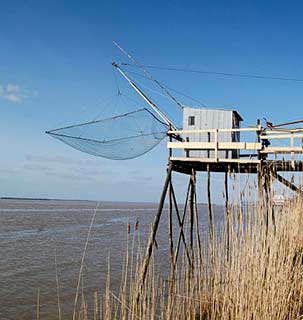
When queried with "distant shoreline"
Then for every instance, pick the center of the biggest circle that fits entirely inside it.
(44, 199)
(75, 200)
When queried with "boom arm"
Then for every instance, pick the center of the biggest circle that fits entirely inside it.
(148, 100)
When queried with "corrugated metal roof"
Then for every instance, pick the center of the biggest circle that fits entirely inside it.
(216, 108)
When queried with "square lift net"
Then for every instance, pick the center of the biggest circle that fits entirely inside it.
(120, 137)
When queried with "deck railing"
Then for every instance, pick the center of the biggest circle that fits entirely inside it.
(261, 146)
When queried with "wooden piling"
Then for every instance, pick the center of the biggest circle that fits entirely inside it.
(227, 217)
(152, 237)
(210, 214)
(181, 224)
(191, 215)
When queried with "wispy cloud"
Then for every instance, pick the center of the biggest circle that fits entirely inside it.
(61, 160)
(66, 167)
(14, 93)
(8, 171)
(36, 167)
(69, 176)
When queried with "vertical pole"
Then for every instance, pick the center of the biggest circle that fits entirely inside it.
(181, 224)
(208, 140)
(170, 212)
(191, 216)
(292, 154)
(211, 228)
(266, 189)
(210, 214)
(197, 223)
(259, 167)
(273, 218)
(216, 145)
(152, 236)
(187, 150)
(227, 215)
(170, 228)
(269, 197)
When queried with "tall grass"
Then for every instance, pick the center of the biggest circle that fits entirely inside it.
(259, 275)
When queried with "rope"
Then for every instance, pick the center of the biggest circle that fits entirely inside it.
(178, 92)
(229, 74)
(148, 74)
(116, 81)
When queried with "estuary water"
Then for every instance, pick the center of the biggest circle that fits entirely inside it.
(38, 237)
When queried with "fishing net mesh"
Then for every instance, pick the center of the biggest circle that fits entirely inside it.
(121, 137)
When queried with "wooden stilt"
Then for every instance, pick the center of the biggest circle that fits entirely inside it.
(266, 189)
(181, 234)
(259, 170)
(170, 223)
(270, 196)
(227, 217)
(260, 184)
(210, 226)
(152, 237)
(287, 183)
(210, 214)
(197, 220)
(191, 216)
(260, 191)
(170, 213)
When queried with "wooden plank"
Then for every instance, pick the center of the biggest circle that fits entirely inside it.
(212, 145)
(277, 131)
(213, 160)
(240, 145)
(281, 136)
(287, 183)
(191, 145)
(282, 150)
(252, 129)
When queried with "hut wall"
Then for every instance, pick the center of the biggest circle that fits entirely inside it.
(206, 118)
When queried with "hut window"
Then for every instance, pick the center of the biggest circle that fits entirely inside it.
(191, 120)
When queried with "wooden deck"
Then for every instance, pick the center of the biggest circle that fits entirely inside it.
(179, 165)
(254, 154)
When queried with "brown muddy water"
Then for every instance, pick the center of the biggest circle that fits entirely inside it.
(33, 232)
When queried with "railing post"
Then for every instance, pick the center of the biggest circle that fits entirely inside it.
(208, 140)
(216, 145)
(292, 154)
(187, 150)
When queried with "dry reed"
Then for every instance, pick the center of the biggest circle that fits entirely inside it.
(259, 275)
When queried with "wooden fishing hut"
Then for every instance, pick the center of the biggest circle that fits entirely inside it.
(212, 140)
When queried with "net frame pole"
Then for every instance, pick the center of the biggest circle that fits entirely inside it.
(148, 100)
(148, 75)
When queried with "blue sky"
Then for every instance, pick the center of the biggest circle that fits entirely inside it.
(55, 69)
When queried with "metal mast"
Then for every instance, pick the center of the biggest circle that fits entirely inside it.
(148, 100)
(148, 75)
